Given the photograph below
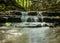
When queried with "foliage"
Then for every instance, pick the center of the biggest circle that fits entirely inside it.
(24, 3)
(30, 5)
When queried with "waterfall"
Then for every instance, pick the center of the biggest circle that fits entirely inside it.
(40, 13)
(35, 18)
(24, 16)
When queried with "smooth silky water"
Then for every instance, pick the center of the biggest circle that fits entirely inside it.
(28, 35)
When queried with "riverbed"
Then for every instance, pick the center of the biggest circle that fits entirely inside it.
(30, 35)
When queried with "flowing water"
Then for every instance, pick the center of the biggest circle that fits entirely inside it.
(29, 35)
(25, 17)
(38, 35)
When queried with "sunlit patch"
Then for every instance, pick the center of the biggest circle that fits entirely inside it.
(14, 32)
(8, 24)
(42, 23)
(17, 34)
(24, 3)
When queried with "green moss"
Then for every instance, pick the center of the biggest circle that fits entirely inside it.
(8, 24)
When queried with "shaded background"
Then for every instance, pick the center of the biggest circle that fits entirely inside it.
(37, 5)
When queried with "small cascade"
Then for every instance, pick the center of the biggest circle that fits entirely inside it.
(24, 16)
(36, 19)
(41, 16)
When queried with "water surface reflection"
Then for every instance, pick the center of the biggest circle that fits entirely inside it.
(30, 35)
